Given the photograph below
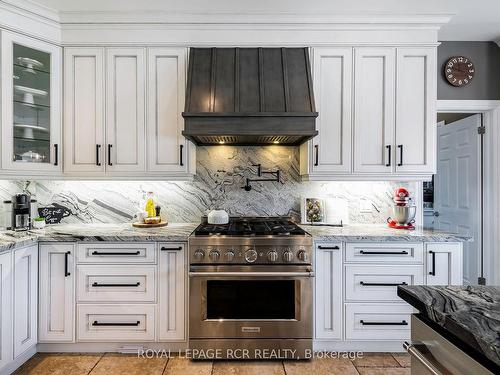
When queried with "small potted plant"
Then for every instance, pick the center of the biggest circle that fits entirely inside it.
(38, 223)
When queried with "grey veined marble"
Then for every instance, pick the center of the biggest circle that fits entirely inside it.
(221, 172)
(470, 313)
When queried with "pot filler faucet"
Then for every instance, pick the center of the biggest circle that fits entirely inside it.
(260, 172)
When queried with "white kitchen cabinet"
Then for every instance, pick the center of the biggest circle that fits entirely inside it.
(444, 264)
(331, 150)
(31, 105)
(374, 101)
(6, 351)
(125, 110)
(169, 153)
(84, 110)
(25, 297)
(56, 306)
(415, 110)
(328, 287)
(172, 292)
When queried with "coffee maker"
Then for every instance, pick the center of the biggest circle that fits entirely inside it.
(21, 211)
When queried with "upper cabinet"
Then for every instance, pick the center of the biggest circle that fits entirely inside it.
(31, 105)
(379, 121)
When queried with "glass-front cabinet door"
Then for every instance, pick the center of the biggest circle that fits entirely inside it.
(31, 104)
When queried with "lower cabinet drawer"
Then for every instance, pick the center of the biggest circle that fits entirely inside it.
(118, 283)
(104, 252)
(116, 323)
(377, 321)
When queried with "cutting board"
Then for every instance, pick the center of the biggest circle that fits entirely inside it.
(144, 225)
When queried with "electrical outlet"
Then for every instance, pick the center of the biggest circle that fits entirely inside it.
(366, 206)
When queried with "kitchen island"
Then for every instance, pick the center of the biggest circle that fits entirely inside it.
(463, 318)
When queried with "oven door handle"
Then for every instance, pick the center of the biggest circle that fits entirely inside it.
(251, 274)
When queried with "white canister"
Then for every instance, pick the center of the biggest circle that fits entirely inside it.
(218, 217)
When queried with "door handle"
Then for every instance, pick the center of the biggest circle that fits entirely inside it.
(97, 152)
(436, 213)
(181, 162)
(66, 266)
(400, 155)
(109, 154)
(316, 157)
(56, 154)
(96, 324)
(433, 269)
(388, 147)
(416, 353)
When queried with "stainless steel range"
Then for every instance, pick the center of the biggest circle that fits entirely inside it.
(251, 289)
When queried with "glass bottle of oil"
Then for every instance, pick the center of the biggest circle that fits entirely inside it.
(150, 204)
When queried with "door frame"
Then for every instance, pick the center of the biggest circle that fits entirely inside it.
(490, 110)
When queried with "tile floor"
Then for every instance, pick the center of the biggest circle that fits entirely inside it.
(119, 364)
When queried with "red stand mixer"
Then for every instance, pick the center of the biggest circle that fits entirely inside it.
(403, 211)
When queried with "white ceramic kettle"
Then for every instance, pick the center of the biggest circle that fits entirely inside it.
(218, 217)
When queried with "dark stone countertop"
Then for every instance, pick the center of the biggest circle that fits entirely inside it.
(470, 314)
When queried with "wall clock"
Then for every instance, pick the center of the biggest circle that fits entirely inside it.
(459, 71)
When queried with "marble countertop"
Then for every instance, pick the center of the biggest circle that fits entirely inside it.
(469, 313)
(380, 232)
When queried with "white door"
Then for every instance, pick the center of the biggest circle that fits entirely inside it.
(84, 110)
(328, 299)
(331, 150)
(444, 264)
(168, 150)
(25, 298)
(172, 292)
(374, 76)
(56, 306)
(456, 190)
(125, 110)
(5, 308)
(31, 104)
(415, 110)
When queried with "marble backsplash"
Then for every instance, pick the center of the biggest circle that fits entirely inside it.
(221, 173)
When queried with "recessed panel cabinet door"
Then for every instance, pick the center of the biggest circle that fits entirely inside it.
(168, 150)
(331, 149)
(444, 264)
(415, 110)
(84, 110)
(374, 77)
(25, 298)
(5, 309)
(57, 284)
(125, 110)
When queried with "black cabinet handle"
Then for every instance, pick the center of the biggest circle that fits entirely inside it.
(401, 323)
(171, 248)
(328, 247)
(96, 323)
(316, 157)
(433, 269)
(97, 152)
(112, 253)
(109, 154)
(388, 147)
(66, 261)
(400, 155)
(56, 154)
(181, 162)
(383, 252)
(382, 284)
(117, 285)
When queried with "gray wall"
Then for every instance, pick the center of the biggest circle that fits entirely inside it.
(486, 58)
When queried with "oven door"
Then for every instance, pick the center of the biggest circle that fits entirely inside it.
(250, 302)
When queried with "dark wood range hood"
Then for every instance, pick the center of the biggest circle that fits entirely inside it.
(249, 96)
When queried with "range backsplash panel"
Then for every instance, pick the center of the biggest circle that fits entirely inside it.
(221, 174)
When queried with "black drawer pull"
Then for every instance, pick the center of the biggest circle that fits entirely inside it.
(56, 154)
(96, 323)
(401, 323)
(316, 159)
(433, 270)
(109, 154)
(383, 252)
(111, 253)
(181, 154)
(329, 247)
(113, 285)
(400, 155)
(97, 152)
(66, 267)
(171, 248)
(388, 164)
(382, 284)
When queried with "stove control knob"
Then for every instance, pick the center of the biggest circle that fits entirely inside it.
(229, 255)
(199, 255)
(288, 256)
(250, 256)
(272, 256)
(302, 255)
(214, 255)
